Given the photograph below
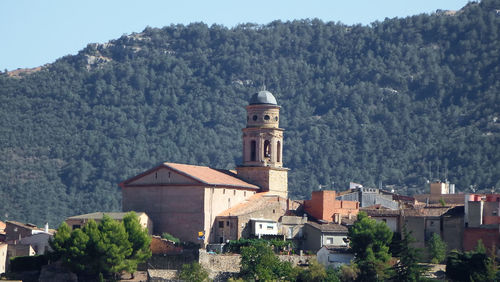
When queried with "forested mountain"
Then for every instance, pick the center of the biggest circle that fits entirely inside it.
(398, 102)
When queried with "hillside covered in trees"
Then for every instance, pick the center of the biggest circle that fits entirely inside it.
(398, 103)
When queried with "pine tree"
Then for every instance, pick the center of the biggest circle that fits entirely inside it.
(437, 249)
(407, 268)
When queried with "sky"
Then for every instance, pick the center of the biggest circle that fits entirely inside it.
(37, 32)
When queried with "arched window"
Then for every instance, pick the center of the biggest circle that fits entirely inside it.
(278, 152)
(253, 150)
(267, 149)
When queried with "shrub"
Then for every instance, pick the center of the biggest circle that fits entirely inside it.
(170, 237)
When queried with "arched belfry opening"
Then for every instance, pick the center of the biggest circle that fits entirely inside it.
(253, 150)
(278, 151)
(267, 149)
(263, 145)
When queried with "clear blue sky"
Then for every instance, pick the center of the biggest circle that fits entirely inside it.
(36, 32)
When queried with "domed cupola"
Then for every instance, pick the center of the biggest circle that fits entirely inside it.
(263, 110)
(263, 97)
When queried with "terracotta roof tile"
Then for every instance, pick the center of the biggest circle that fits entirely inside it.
(99, 215)
(210, 176)
(381, 212)
(255, 202)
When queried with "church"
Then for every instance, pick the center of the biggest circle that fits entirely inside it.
(184, 200)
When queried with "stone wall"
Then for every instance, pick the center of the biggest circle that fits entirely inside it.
(223, 266)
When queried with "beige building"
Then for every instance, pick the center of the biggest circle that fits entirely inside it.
(3, 257)
(79, 221)
(185, 200)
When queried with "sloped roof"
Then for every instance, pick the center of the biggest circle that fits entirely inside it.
(28, 226)
(202, 174)
(99, 215)
(428, 211)
(382, 212)
(328, 227)
(255, 202)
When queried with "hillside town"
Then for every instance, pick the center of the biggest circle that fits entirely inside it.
(208, 208)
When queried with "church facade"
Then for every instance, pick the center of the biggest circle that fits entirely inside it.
(184, 200)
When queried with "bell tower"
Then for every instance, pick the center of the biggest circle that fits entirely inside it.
(263, 146)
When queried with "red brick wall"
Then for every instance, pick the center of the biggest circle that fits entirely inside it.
(490, 237)
(323, 205)
(491, 219)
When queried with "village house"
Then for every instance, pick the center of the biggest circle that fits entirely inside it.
(324, 206)
(369, 197)
(16, 230)
(482, 221)
(79, 221)
(324, 234)
(3, 258)
(334, 256)
(441, 192)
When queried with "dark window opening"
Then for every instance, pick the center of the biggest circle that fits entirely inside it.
(227, 223)
(266, 117)
(267, 149)
(278, 152)
(75, 226)
(221, 224)
(254, 118)
(253, 149)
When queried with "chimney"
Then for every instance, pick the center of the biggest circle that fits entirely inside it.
(46, 229)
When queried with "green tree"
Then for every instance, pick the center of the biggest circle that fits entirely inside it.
(140, 241)
(258, 262)
(317, 272)
(470, 266)
(101, 249)
(60, 242)
(114, 244)
(193, 272)
(437, 249)
(370, 242)
(408, 268)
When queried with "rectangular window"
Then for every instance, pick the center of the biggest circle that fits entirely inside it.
(329, 241)
(227, 223)
(269, 227)
(221, 224)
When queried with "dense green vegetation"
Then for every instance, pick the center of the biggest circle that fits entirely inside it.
(470, 266)
(104, 249)
(369, 240)
(397, 103)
